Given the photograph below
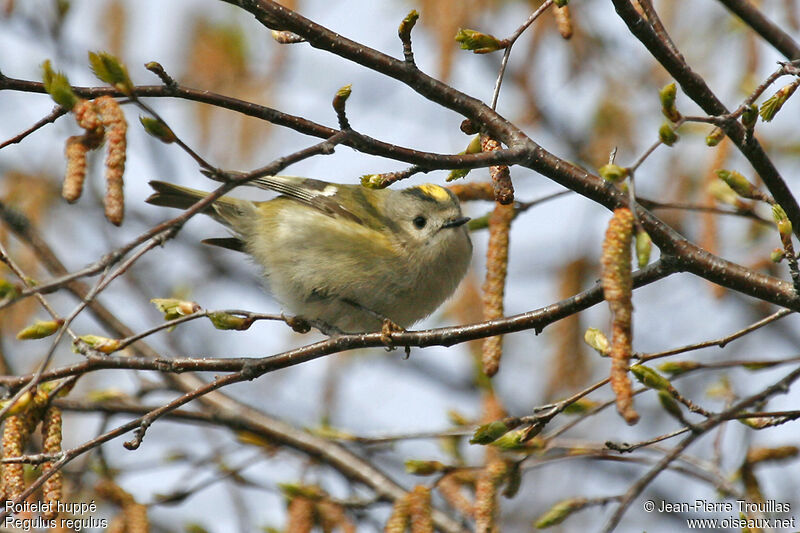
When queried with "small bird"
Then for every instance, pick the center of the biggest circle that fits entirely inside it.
(345, 257)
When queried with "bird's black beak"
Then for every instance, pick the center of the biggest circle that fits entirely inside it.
(456, 222)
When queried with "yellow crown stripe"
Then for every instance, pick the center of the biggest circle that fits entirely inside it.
(434, 191)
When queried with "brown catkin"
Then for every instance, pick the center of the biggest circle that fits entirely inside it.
(76, 149)
(332, 516)
(75, 174)
(51, 444)
(752, 487)
(16, 433)
(14, 438)
(116, 129)
(117, 524)
(501, 177)
(486, 504)
(300, 515)
(618, 289)
(494, 285)
(450, 487)
(136, 520)
(569, 365)
(399, 519)
(86, 115)
(466, 192)
(109, 490)
(420, 510)
(778, 453)
(563, 21)
(133, 515)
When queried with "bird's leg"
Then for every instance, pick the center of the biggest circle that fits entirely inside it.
(388, 326)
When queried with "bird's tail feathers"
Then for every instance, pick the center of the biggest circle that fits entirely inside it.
(224, 210)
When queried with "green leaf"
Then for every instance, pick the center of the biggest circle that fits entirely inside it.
(417, 467)
(404, 31)
(782, 221)
(597, 340)
(613, 173)
(480, 43)
(667, 95)
(773, 104)
(559, 512)
(158, 129)
(650, 378)
(715, 137)
(490, 432)
(110, 70)
(737, 182)
(643, 247)
(667, 135)
(57, 86)
(39, 329)
(223, 320)
(675, 368)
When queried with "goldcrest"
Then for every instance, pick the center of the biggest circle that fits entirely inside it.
(345, 257)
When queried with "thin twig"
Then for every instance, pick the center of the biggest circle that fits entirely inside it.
(721, 342)
(767, 29)
(127, 341)
(51, 117)
(745, 213)
(536, 319)
(627, 448)
(658, 26)
(713, 421)
(510, 42)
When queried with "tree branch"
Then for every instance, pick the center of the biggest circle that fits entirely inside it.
(768, 30)
(358, 141)
(537, 320)
(695, 87)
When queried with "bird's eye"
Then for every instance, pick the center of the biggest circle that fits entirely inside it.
(420, 222)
